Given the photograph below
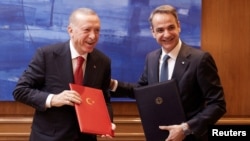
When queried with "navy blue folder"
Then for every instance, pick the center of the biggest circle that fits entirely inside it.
(159, 104)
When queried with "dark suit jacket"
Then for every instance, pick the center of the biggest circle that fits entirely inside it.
(50, 71)
(199, 84)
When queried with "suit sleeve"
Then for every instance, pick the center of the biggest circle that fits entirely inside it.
(27, 88)
(213, 94)
(105, 87)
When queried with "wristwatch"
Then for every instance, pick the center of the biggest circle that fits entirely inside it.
(185, 129)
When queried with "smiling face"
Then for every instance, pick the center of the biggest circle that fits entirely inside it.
(84, 31)
(166, 30)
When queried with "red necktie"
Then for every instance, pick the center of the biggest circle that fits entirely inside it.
(78, 75)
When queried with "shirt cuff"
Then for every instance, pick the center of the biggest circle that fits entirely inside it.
(48, 101)
(186, 129)
(115, 85)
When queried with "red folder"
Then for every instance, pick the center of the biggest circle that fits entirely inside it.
(92, 113)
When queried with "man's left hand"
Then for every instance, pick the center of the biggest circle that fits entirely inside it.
(175, 132)
(113, 127)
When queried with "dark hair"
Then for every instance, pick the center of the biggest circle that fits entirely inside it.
(163, 9)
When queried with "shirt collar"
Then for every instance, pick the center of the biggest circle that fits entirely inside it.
(173, 54)
(74, 53)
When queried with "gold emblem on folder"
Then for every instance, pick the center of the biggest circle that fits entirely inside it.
(90, 101)
(158, 100)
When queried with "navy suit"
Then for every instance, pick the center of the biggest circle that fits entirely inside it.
(50, 71)
(199, 84)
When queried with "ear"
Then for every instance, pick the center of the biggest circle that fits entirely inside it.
(70, 30)
(152, 31)
(179, 25)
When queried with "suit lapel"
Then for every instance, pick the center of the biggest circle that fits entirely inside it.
(91, 67)
(182, 62)
(63, 62)
(154, 67)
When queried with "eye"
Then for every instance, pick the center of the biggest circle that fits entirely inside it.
(85, 30)
(97, 30)
(159, 30)
(172, 27)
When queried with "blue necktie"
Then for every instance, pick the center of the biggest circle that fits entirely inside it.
(164, 69)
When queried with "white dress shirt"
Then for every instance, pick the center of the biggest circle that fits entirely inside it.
(74, 55)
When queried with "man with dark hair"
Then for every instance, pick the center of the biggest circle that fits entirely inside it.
(194, 70)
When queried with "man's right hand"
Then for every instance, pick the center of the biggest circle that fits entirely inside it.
(67, 97)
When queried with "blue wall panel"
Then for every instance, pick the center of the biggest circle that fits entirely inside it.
(125, 37)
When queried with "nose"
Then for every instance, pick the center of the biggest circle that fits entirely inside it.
(93, 35)
(166, 33)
